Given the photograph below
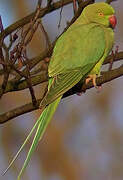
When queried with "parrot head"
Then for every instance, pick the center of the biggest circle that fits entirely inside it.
(101, 13)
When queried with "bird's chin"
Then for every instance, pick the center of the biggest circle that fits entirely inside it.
(111, 26)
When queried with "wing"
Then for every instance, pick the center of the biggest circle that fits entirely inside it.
(69, 64)
(62, 83)
(76, 48)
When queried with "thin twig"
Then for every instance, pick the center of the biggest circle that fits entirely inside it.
(33, 62)
(46, 35)
(79, 12)
(42, 13)
(60, 15)
(49, 3)
(5, 68)
(29, 82)
(39, 3)
(5, 80)
(1, 25)
(18, 52)
(74, 6)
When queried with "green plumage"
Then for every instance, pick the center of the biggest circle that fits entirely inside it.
(79, 52)
(68, 67)
(44, 119)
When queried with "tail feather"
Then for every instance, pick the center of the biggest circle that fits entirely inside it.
(21, 148)
(44, 121)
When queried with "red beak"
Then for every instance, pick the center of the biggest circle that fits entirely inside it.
(113, 21)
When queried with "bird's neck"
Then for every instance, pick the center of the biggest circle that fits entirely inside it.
(82, 19)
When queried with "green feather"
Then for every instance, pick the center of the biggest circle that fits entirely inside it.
(76, 48)
(21, 148)
(44, 121)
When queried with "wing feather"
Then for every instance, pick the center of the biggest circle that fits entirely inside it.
(62, 83)
(72, 62)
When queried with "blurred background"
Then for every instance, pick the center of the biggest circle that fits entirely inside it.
(84, 141)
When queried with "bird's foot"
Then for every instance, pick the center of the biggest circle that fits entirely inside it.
(93, 78)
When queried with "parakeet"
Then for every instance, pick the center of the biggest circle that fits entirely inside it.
(78, 54)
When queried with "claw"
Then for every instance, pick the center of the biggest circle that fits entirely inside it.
(87, 80)
(99, 89)
(79, 93)
(93, 78)
(94, 81)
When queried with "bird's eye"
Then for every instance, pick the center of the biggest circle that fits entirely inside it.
(100, 14)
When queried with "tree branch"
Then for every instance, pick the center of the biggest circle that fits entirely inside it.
(18, 85)
(21, 85)
(42, 13)
(106, 77)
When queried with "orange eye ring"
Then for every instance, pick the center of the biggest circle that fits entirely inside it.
(100, 14)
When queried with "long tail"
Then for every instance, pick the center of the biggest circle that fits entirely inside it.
(42, 123)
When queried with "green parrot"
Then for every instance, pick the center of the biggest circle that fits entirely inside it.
(78, 55)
